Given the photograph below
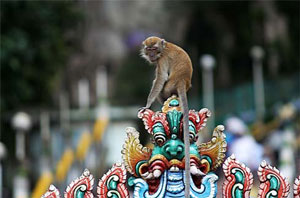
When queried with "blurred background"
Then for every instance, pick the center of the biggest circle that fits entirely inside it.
(72, 80)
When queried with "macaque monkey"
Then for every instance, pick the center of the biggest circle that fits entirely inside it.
(173, 76)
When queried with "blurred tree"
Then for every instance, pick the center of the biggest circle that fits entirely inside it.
(223, 29)
(36, 40)
(290, 52)
(229, 29)
(35, 43)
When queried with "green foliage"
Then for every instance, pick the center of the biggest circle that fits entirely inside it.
(34, 49)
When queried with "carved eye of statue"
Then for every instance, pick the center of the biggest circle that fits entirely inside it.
(192, 136)
(159, 138)
(192, 130)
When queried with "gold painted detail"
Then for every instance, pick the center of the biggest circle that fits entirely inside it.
(215, 148)
(134, 152)
(166, 107)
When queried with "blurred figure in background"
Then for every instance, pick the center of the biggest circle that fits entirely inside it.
(283, 143)
(242, 144)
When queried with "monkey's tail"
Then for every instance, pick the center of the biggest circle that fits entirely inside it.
(184, 105)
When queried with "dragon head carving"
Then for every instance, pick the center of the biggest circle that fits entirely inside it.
(166, 128)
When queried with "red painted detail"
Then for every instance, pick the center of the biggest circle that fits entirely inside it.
(263, 171)
(84, 183)
(119, 172)
(52, 192)
(229, 167)
(150, 118)
(297, 187)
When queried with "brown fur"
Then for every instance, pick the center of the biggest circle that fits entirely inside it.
(173, 76)
(174, 67)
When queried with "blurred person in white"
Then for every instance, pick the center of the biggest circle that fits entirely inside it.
(283, 141)
(242, 144)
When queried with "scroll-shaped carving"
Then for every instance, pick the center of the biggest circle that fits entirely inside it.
(272, 182)
(133, 152)
(239, 179)
(52, 192)
(81, 187)
(112, 184)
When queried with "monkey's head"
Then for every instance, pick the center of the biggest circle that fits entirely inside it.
(152, 48)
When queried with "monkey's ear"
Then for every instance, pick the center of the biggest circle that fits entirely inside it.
(163, 43)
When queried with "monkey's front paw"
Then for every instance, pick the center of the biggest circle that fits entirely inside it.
(145, 112)
(142, 109)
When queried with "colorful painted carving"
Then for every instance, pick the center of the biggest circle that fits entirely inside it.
(81, 187)
(239, 179)
(297, 187)
(158, 172)
(112, 184)
(272, 183)
(52, 192)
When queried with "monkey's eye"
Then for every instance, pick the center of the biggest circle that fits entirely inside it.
(151, 48)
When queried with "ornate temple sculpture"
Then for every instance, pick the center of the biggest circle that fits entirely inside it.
(158, 172)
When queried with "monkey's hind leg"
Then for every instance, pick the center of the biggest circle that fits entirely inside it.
(184, 106)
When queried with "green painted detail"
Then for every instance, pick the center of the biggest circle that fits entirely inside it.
(274, 186)
(137, 167)
(114, 194)
(112, 182)
(174, 103)
(174, 136)
(237, 192)
(239, 176)
(238, 187)
(158, 127)
(174, 149)
(192, 127)
(79, 193)
(194, 150)
(208, 159)
(173, 118)
(131, 181)
(274, 183)
(157, 150)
